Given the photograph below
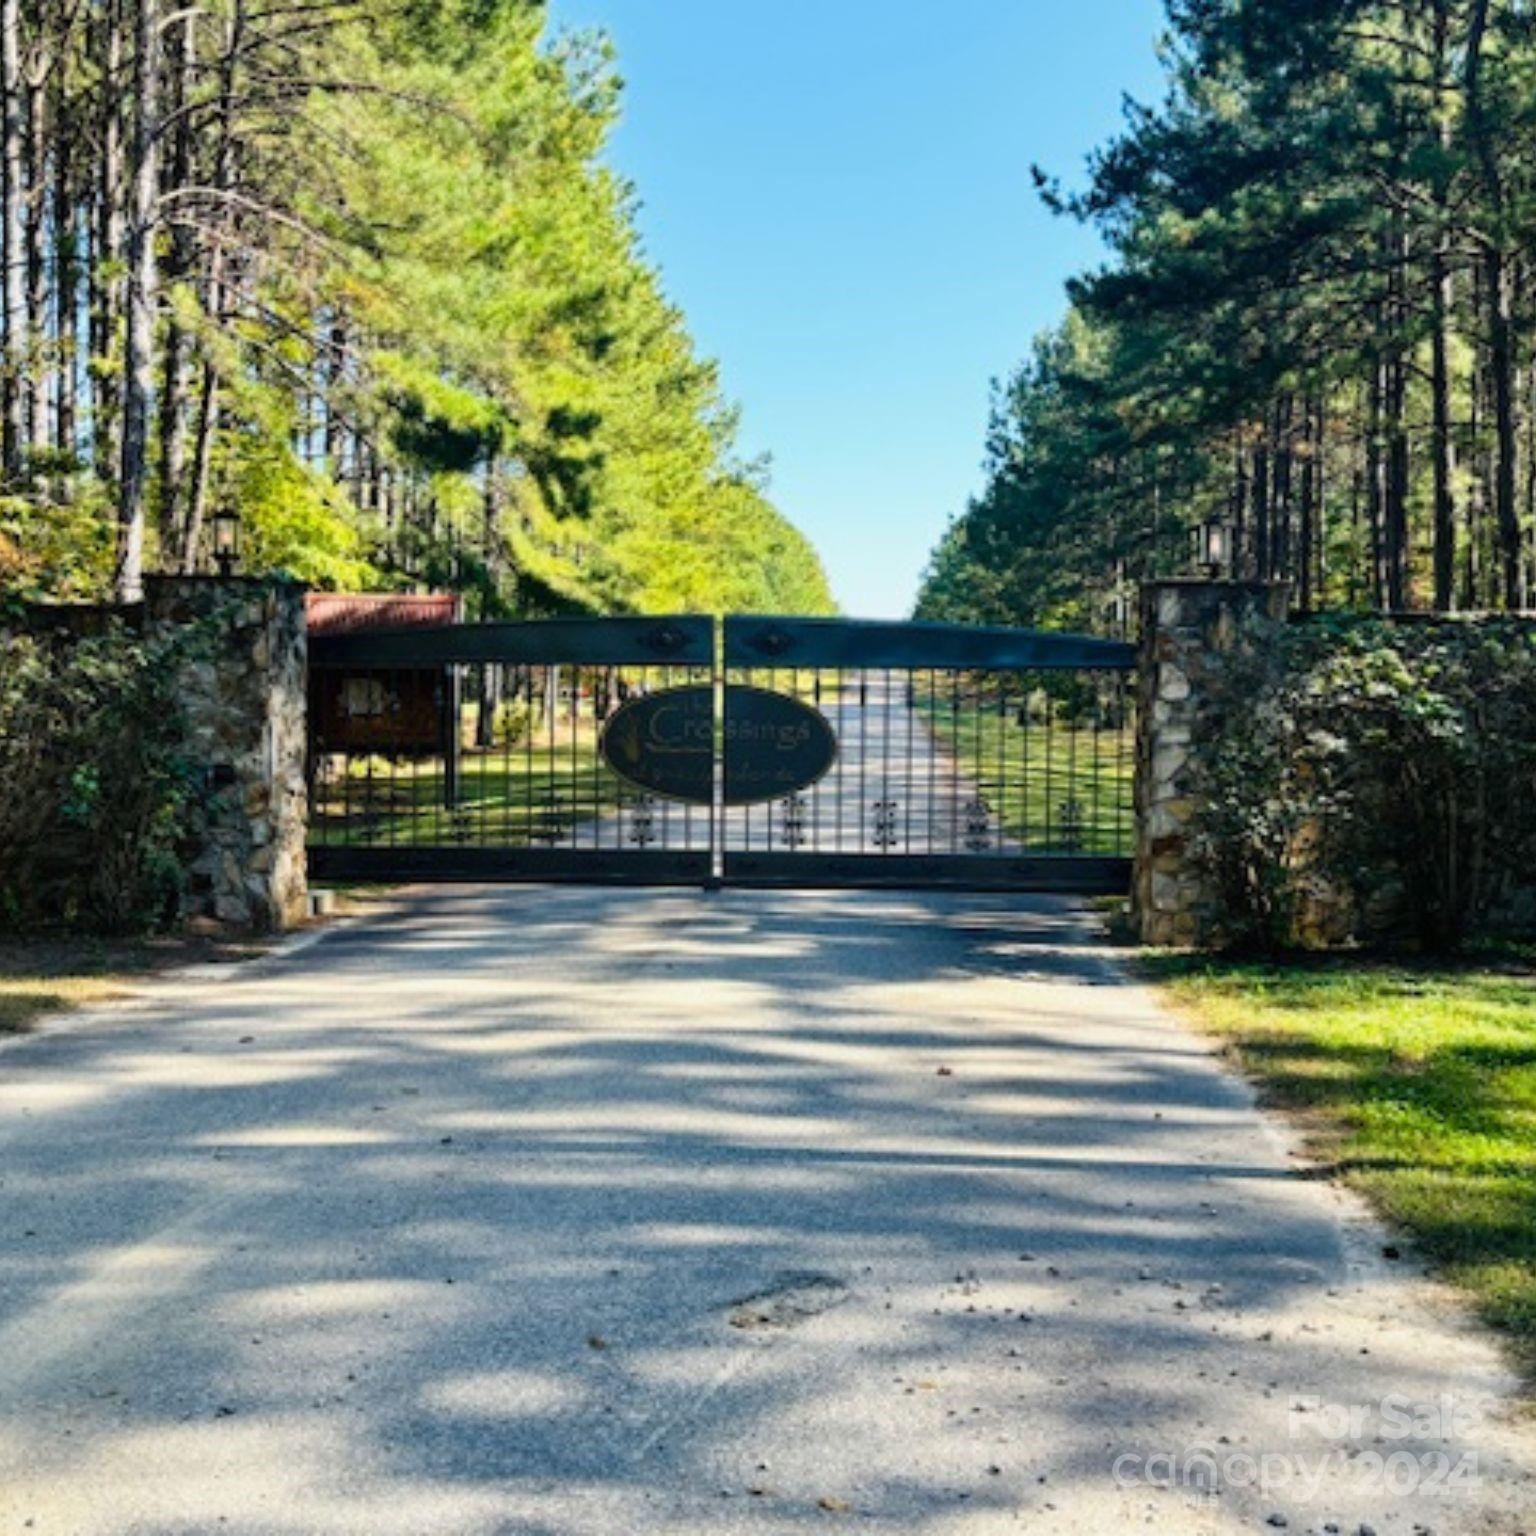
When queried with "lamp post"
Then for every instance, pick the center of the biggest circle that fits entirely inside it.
(1212, 548)
(226, 541)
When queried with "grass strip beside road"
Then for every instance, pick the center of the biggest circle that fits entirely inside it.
(1417, 1084)
(43, 976)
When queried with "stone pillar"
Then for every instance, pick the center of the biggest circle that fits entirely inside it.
(243, 688)
(1184, 625)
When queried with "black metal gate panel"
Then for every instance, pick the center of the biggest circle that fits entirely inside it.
(968, 757)
(762, 751)
(471, 753)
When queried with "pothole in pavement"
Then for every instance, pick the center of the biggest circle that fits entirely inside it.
(793, 1297)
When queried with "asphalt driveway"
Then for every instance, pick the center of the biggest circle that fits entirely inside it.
(625, 1213)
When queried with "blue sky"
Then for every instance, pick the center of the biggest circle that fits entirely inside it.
(838, 196)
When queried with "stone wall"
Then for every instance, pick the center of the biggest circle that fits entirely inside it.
(1185, 627)
(244, 693)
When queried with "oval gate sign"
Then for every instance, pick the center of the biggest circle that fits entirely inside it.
(775, 746)
(664, 743)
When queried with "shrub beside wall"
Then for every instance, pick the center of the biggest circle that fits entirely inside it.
(152, 760)
(97, 817)
(1371, 780)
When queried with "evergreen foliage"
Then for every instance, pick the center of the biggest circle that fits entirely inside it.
(357, 270)
(1317, 323)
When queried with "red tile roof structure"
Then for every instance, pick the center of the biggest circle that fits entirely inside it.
(341, 613)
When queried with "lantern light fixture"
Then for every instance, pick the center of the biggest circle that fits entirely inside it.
(226, 540)
(1213, 548)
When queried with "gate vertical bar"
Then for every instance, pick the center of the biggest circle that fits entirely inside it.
(722, 745)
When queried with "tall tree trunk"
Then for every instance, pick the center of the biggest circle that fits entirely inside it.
(108, 248)
(177, 366)
(139, 358)
(335, 422)
(1307, 530)
(1322, 482)
(210, 399)
(66, 236)
(1262, 553)
(367, 478)
(12, 160)
(208, 406)
(1395, 487)
(1476, 513)
(1499, 293)
(1501, 379)
(1280, 559)
(37, 259)
(1357, 496)
(1442, 445)
(1528, 476)
(1442, 297)
(1238, 507)
(1375, 487)
(175, 408)
(491, 676)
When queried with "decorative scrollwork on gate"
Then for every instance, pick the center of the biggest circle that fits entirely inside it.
(1072, 826)
(978, 826)
(772, 642)
(796, 810)
(642, 822)
(664, 640)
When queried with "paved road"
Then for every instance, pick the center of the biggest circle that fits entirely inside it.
(564, 1213)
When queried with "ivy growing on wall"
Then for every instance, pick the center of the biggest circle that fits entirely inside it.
(100, 792)
(1370, 780)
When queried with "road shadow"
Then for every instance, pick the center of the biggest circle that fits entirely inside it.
(441, 1227)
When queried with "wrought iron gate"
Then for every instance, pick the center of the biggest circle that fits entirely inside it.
(761, 751)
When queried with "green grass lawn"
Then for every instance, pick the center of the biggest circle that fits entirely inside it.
(525, 795)
(43, 976)
(1061, 790)
(1417, 1084)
